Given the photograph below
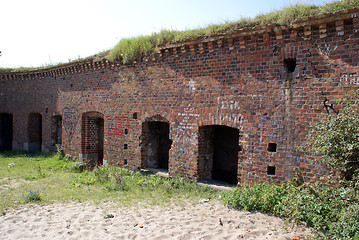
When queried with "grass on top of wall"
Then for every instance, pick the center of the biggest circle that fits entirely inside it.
(129, 50)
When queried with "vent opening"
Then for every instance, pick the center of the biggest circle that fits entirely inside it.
(271, 170)
(272, 147)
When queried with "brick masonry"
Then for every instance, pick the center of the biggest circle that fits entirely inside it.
(271, 83)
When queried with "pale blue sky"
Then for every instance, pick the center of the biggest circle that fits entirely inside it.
(41, 32)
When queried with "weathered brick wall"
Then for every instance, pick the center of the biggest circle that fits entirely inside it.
(269, 83)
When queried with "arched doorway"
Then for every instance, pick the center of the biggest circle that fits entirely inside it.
(155, 144)
(34, 131)
(6, 132)
(92, 138)
(56, 130)
(218, 153)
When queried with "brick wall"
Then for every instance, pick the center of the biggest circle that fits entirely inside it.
(270, 83)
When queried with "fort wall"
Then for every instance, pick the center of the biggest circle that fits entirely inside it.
(250, 96)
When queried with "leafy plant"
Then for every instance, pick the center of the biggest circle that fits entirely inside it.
(330, 213)
(33, 196)
(336, 138)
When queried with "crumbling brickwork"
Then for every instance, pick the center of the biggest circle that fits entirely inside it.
(266, 84)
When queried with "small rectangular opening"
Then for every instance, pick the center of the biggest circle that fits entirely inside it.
(290, 64)
(125, 146)
(271, 170)
(272, 147)
(126, 131)
(124, 161)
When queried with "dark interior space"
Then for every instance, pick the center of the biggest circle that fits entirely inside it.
(157, 144)
(100, 139)
(218, 153)
(93, 139)
(225, 154)
(6, 132)
(35, 132)
(271, 170)
(56, 130)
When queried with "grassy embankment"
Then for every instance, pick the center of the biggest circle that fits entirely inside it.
(137, 48)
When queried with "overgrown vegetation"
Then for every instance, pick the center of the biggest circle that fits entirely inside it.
(59, 179)
(332, 213)
(336, 138)
(130, 50)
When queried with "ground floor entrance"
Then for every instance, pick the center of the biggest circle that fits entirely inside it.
(218, 153)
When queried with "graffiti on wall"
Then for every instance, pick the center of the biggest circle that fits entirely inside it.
(329, 107)
(316, 167)
(229, 110)
(349, 78)
(326, 49)
(268, 123)
(117, 126)
(70, 120)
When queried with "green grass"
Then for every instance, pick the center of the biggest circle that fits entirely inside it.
(61, 180)
(129, 50)
(333, 213)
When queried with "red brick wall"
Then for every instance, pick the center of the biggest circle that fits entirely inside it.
(270, 83)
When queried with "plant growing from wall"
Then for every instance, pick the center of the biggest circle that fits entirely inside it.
(336, 138)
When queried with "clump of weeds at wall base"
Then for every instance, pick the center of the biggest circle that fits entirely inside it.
(332, 213)
(64, 180)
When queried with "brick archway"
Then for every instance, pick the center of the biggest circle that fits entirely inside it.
(155, 143)
(92, 138)
(34, 132)
(218, 153)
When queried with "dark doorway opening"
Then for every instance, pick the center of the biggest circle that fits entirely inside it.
(56, 130)
(156, 144)
(35, 132)
(93, 139)
(218, 153)
(6, 132)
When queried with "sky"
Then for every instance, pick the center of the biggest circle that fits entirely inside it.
(36, 33)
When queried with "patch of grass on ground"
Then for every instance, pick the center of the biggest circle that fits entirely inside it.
(59, 179)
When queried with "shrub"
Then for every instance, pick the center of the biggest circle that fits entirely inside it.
(330, 213)
(336, 138)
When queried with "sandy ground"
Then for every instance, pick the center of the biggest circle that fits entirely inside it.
(206, 220)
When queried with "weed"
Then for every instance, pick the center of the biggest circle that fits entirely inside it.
(33, 196)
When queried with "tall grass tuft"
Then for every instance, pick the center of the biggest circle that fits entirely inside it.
(130, 50)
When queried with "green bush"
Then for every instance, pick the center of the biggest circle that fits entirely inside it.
(330, 213)
(336, 138)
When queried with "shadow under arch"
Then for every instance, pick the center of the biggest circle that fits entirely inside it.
(34, 132)
(92, 138)
(155, 143)
(218, 148)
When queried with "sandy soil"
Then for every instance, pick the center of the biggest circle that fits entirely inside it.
(206, 220)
